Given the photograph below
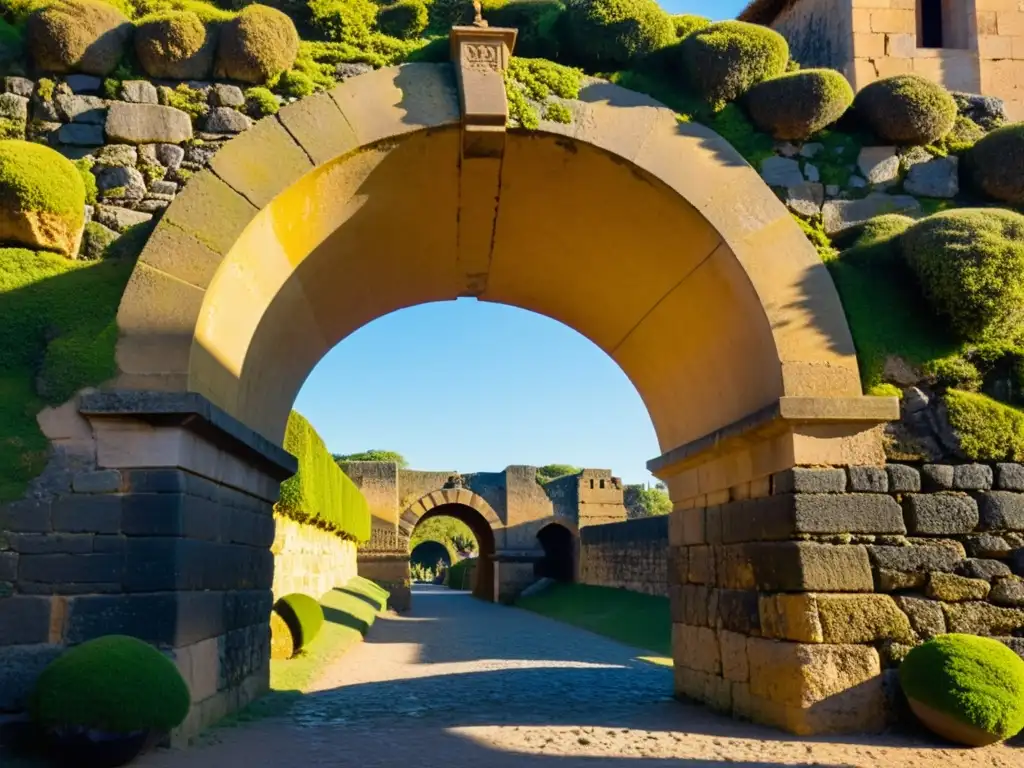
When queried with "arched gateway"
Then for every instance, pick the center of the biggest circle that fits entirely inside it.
(650, 236)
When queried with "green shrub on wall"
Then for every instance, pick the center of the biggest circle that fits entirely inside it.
(320, 493)
(726, 59)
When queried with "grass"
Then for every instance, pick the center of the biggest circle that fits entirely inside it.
(643, 621)
(349, 612)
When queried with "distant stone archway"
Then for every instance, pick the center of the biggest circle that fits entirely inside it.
(561, 552)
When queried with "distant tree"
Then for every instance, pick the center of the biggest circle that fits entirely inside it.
(391, 456)
(642, 501)
(453, 533)
(551, 472)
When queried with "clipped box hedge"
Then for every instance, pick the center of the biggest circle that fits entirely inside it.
(320, 493)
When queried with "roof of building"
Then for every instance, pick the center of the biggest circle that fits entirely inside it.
(765, 11)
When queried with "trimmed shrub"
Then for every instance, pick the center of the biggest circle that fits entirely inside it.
(996, 164)
(176, 46)
(42, 198)
(282, 644)
(537, 22)
(320, 493)
(115, 683)
(964, 135)
(726, 59)
(303, 615)
(260, 102)
(208, 13)
(611, 34)
(78, 35)
(906, 109)
(797, 105)
(970, 266)
(295, 84)
(687, 23)
(259, 44)
(876, 242)
(987, 429)
(404, 19)
(977, 681)
(954, 372)
(344, 21)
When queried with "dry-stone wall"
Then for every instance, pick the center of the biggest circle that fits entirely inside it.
(309, 560)
(795, 608)
(630, 555)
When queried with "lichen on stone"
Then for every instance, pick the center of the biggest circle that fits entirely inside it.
(530, 83)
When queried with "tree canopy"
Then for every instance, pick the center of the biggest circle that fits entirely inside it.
(373, 455)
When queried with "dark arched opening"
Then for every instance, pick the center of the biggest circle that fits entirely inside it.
(559, 561)
(431, 556)
(483, 573)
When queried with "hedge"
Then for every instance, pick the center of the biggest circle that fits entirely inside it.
(303, 616)
(320, 493)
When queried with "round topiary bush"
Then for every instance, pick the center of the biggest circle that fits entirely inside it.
(257, 45)
(797, 105)
(966, 688)
(176, 46)
(726, 59)
(687, 23)
(538, 23)
(996, 164)
(345, 21)
(404, 19)
(115, 684)
(906, 109)
(303, 615)
(282, 643)
(42, 198)
(610, 34)
(77, 35)
(970, 266)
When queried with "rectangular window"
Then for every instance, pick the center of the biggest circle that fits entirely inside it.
(943, 24)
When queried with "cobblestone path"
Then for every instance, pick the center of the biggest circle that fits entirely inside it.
(459, 683)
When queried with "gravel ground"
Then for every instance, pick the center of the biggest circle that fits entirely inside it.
(459, 683)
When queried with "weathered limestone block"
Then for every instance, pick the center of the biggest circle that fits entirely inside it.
(937, 477)
(738, 611)
(701, 565)
(147, 124)
(868, 479)
(940, 513)
(954, 589)
(879, 165)
(790, 566)
(790, 617)
(903, 479)
(840, 215)
(1008, 592)
(710, 689)
(936, 556)
(895, 581)
(926, 616)
(696, 648)
(977, 618)
(816, 688)
(1002, 511)
(838, 619)
(1010, 477)
(733, 648)
(785, 516)
(807, 480)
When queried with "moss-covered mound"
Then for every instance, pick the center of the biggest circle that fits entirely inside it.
(687, 23)
(77, 36)
(611, 34)
(726, 59)
(797, 105)
(303, 615)
(259, 44)
(282, 643)
(976, 681)
(115, 683)
(877, 240)
(970, 266)
(987, 429)
(176, 46)
(42, 198)
(404, 19)
(906, 109)
(996, 164)
(345, 21)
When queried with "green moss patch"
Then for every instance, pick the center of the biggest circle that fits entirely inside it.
(36, 178)
(798, 104)
(114, 683)
(726, 59)
(532, 81)
(610, 34)
(988, 430)
(57, 335)
(996, 164)
(643, 621)
(320, 493)
(907, 109)
(976, 680)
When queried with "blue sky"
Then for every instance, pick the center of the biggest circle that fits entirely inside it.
(518, 388)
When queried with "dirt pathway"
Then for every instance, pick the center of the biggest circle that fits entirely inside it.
(459, 683)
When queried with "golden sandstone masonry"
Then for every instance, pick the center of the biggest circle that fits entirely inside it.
(975, 46)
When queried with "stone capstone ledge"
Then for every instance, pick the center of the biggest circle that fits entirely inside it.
(198, 414)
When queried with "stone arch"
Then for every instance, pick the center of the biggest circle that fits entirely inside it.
(429, 502)
(674, 258)
(561, 550)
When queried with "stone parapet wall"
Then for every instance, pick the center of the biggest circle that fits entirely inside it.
(309, 560)
(794, 609)
(630, 555)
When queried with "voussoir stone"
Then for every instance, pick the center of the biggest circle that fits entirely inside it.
(147, 124)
